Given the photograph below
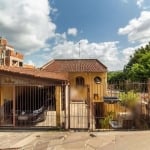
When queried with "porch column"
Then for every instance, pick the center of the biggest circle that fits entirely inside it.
(58, 105)
(14, 106)
(67, 107)
(1, 108)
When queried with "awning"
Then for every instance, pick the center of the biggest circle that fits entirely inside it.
(111, 100)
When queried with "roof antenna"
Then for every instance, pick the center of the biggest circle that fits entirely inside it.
(79, 49)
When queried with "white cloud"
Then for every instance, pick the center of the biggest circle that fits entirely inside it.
(140, 3)
(60, 38)
(143, 4)
(26, 24)
(127, 52)
(30, 62)
(125, 1)
(106, 52)
(72, 31)
(138, 29)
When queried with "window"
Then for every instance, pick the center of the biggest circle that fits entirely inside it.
(97, 80)
(79, 81)
(20, 64)
(14, 63)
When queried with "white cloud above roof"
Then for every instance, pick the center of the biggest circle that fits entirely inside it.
(139, 3)
(138, 29)
(72, 31)
(26, 23)
(106, 52)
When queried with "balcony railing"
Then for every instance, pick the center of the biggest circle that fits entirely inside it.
(14, 54)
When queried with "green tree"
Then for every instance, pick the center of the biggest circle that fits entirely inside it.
(138, 67)
(116, 77)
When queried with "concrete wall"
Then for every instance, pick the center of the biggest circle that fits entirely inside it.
(95, 89)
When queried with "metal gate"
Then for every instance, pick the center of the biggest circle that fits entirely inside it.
(79, 107)
(32, 106)
(126, 106)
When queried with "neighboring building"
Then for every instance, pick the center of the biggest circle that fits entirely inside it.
(8, 56)
(28, 66)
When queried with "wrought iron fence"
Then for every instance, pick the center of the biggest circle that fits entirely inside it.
(32, 106)
(126, 106)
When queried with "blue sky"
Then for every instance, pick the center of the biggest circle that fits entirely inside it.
(98, 20)
(108, 30)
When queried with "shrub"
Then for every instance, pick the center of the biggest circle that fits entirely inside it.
(129, 99)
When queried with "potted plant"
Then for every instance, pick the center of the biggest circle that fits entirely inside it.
(105, 122)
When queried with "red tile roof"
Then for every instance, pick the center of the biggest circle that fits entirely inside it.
(74, 65)
(36, 73)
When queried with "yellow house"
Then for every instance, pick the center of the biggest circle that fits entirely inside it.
(64, 93)
(87, 87)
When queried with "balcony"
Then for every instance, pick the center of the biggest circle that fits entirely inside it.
(10, 53)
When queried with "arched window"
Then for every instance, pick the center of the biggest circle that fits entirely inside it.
(97, 80)
(79, 81)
